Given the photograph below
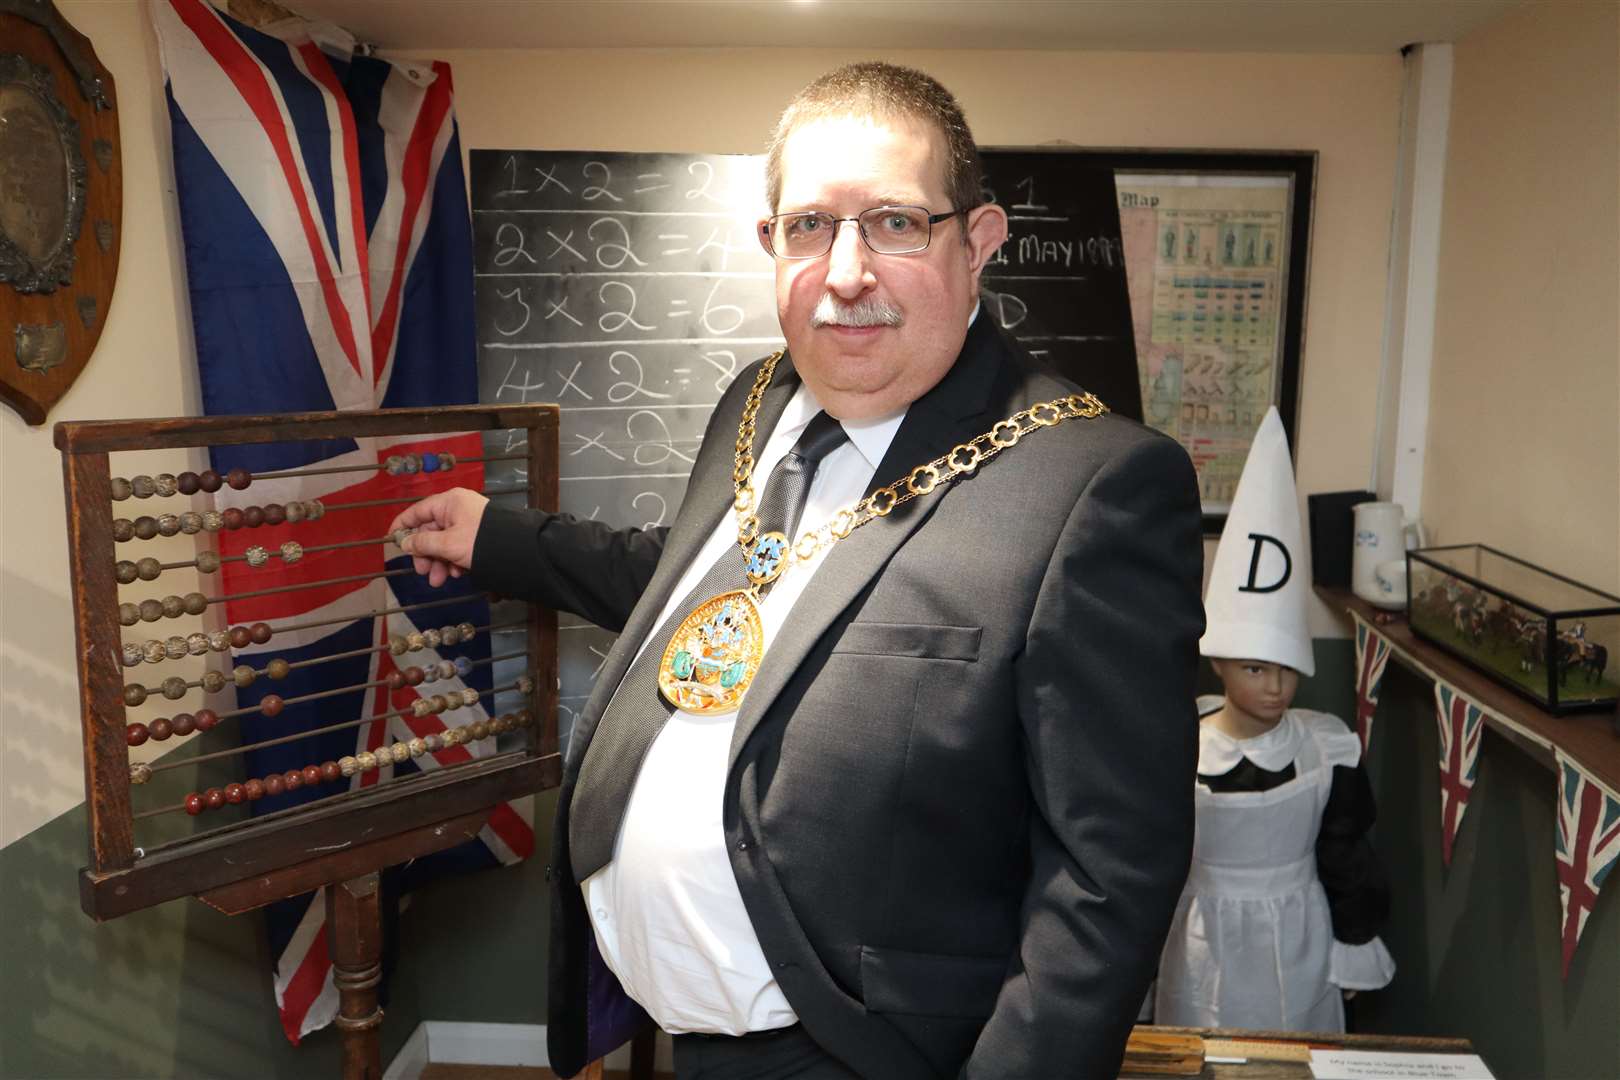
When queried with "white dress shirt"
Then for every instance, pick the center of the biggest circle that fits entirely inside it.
(668, 917)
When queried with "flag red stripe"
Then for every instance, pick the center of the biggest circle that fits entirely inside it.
(322, 72)
(305, 986)
(513, 830)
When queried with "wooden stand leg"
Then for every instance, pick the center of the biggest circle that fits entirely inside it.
(356, 928)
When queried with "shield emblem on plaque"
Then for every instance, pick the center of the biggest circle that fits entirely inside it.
(61, 204)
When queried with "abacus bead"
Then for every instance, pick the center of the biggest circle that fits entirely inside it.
(197, 643)
(432, 638)
(151, 609)
(400, 752)
(312, 775)
(165, 484)
(253, 516)
(142, 486)
(120, 489)
(135, 734)
(213, 798)
(274, 784)
(173, 607)
(123, 529)
(347, 765)
(422, 707)
(145, 527)
(469, 696)
(219, 640)
(239, 637)
(314, 509)
(148, 569)
(191, 523)
(132, 653)
(397, 645)
(256, 555)
(188, 483)
(208, 480)
(450, 635)
(330, 771)
(277, 668)
(444, 669)
(394, 679)
(124, 571)
(525, 684)
(415, 641)
(499, 725)
(293, 779)
(195, 603)
(270, 705)
(213, 520)
(366, 760)
(413, 464)
(174, 688)
(295, 512)
(418, 747)
(243, 675)
(140, 773)
(153, 652)
(414, 676)
(440, 703)
(175, 647)
(433, 743)
(447, 461)
(430, 462)
(260, 633)
(207, 719)
(238, 478)
(463, 666)
(399, 535)
(183, 723)
(208, 561)
(525, 718)
(160, 728)
(254, 789)
(394, 465)
(235, 793)
(291, 551)
(128, 614)
(194, 804)
(274, 514)
(232, 517)
(468, 631)
(213, 681)
(454, 736)
(168, 524)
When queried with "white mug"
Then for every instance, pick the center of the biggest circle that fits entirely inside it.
(1382, 535)
(1390, 579)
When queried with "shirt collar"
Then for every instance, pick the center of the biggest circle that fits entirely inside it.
(1219, 753)
(871, 438)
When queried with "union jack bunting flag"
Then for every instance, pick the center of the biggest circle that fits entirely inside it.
(1588, 845)
(1461, 724)
(1372, 656)
(328, 257)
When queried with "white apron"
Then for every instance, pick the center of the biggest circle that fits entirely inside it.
(1251, 945)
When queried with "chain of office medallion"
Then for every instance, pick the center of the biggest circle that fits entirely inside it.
(957, 462)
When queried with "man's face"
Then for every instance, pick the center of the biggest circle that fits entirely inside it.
(846, 165)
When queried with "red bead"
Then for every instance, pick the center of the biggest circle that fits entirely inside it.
(235, 793)
(253, 516)
(395, 680)
(275, 514)
(188, 482)
(414, 676)
(232, 517)
(240, 637)
(330, 771)
(209, 480)
(238, 478)
(270, 704)
(254, 790)
(160, 728)
(259, 632)
(194, 804)
(312, 775)
(183, 723)
(213, 798)
(274, 784)
(206, 719)
(293, 779)
(135, 734)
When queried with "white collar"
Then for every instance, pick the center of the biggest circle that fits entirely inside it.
(870, 437)
(1219, 753)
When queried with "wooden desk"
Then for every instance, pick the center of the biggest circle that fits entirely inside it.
(1292, 1046)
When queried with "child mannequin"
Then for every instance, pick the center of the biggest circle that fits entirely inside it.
(1285, 895)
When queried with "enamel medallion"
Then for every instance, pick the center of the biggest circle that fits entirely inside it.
(713, 656)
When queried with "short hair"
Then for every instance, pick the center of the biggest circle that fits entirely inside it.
(888, 91)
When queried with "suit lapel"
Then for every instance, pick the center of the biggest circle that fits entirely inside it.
(954, 411)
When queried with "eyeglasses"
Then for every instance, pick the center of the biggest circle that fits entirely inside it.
(887, 230)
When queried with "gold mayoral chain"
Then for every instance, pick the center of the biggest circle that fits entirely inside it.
(716, 651)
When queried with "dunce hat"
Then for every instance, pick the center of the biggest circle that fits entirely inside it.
(1255, 604)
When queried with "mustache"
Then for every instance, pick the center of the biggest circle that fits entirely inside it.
(867, 311)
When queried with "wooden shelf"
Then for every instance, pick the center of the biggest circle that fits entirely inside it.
(1585, 738)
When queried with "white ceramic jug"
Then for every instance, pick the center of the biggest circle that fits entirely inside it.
(1382, 534)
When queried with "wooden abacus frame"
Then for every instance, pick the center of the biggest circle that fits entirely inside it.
(247, 864)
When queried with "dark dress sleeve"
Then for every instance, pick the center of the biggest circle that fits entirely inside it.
(1352, 874)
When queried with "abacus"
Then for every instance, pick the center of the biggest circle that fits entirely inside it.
(437, 761)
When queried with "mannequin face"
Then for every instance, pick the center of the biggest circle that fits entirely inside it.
(1257, 691)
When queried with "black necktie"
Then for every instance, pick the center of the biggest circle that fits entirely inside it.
(638, 711)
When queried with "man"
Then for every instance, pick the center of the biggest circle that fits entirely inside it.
(945, 831)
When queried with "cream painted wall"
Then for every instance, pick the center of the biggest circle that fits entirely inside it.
(724, 101)
(1524, 440)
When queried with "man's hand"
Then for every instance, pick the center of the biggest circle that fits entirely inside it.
(446, 525)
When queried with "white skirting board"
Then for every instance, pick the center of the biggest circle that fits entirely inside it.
(464, 1043)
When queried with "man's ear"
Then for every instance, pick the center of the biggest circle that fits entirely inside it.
(986, 232)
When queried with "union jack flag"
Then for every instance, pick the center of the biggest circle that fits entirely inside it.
(1461, 724)
(1588, 846)
(328, 255)
(1372, 656)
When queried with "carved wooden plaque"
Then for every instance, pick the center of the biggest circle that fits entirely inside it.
(61, 204)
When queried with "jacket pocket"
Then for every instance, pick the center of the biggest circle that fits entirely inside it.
(930, 984)
(922, 640)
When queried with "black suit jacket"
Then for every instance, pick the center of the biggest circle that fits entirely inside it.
(959, 803)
